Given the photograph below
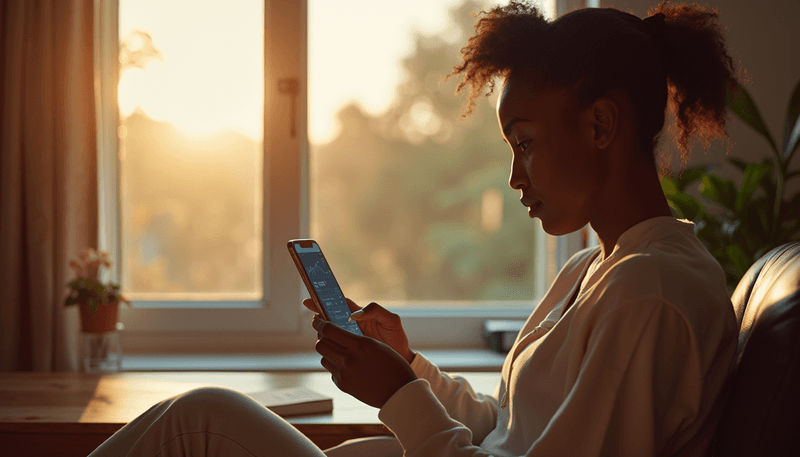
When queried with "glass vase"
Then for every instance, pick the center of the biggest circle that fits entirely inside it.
(102, 352)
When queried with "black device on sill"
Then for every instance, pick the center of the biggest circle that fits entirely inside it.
(501, 334)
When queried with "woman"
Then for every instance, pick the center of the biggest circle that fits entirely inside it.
(628, 351)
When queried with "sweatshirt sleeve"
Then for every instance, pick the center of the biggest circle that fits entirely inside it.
(476, 411)
(422, 425)
(639, 383)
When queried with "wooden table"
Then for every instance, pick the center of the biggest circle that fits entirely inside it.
(69, 414)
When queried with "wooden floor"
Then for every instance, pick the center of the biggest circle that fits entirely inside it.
(69, 414)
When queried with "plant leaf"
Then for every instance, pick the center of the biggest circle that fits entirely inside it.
(791, 131)
(762, 216)
(711, 235)
(740, 102)
(751, 180)
(687, 205)
(669, 186)
(768, 184)
(738, 258)
(721, 191)
(738, 163)
(691, 175)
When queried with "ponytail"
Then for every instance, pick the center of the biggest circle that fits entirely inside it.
(699, 71)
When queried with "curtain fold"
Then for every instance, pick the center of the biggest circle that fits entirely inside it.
(48, 176)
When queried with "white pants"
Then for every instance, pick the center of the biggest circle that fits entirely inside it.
(217, 421)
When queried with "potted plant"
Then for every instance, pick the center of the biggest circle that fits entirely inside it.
(740, 223)
(98, 301)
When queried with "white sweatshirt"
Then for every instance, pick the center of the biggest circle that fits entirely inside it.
(633, 368)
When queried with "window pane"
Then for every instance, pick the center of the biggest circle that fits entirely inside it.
(191, 129)
(408, 201)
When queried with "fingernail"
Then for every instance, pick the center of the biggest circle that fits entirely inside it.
(357, 313)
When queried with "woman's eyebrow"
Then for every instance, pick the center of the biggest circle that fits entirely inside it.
(509, 124)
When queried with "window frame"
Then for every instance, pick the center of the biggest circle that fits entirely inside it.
(277, 323)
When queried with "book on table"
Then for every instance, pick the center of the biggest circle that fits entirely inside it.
(294, 401)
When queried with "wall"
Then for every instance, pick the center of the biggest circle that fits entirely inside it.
(764, 37)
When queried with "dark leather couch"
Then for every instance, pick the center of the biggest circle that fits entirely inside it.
(761, 413)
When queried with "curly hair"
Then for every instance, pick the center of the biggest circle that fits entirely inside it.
(675, 59)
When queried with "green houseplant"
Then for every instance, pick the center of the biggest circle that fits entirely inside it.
(97, 299)
(740, 223)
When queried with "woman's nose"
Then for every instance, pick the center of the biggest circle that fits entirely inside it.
(519, 176)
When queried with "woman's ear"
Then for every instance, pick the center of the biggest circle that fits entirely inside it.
(605, 119)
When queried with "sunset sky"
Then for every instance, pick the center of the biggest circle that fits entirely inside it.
(211, 77)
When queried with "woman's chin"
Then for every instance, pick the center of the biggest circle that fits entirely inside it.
(558, 228)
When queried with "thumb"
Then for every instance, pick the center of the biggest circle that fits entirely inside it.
(381, 315)
(352, 305)
(358, 315)
(309, 303)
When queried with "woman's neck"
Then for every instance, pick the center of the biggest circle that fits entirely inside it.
(631, 195)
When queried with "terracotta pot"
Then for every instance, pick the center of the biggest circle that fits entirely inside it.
(105, 320)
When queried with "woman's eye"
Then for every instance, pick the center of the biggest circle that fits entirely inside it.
(523, 145)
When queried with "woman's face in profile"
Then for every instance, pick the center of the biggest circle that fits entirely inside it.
(555, 164)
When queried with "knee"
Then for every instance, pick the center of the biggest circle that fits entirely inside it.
(209, 400)
(211, 394)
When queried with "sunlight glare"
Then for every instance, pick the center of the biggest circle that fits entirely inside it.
(203, 87)
(336, 53)
(212, 75)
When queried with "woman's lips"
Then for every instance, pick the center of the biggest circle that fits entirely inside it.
(532, 205)
(533, 208)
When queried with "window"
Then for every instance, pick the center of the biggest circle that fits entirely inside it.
(171, 181)
(203, 184)
(190, 150)
(410, 202)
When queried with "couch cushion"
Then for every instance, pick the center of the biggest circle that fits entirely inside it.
(762, 411)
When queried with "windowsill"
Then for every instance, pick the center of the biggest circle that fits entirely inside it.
(464, 360)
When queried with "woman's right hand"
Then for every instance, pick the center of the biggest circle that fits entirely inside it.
(379, 323)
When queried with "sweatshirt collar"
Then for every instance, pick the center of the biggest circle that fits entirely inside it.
(650, 230)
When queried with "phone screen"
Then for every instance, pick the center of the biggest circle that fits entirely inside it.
(320, 276)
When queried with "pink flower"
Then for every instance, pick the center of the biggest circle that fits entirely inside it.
(89, 287)
(89, 262)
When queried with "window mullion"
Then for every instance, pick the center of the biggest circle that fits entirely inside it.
(285, 148)
(106, 58)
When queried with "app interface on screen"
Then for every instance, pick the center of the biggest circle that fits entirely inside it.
(326, 287)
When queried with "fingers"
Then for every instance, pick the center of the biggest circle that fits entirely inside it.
(381, 315)
(309, 303)
(371, 311)
(356, 315)
(352, 305)
(330, 352)
(333, 354)
(333, 332)
(332, 368)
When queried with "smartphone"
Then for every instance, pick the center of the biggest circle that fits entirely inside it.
(321, 284)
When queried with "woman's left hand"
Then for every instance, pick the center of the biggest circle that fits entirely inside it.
(364, 367)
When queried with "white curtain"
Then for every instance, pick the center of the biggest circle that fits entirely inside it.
(48, 176)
